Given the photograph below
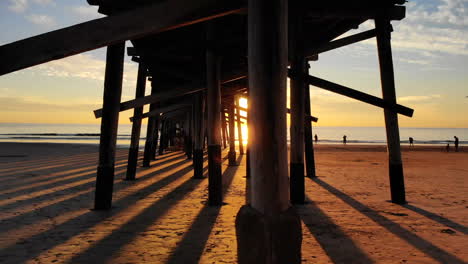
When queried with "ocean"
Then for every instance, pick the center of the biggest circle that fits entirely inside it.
(89, 134)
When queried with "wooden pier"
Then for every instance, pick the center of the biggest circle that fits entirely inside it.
(200, 57)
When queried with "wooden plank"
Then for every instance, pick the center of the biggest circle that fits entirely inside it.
(136, 23)
(363, 97)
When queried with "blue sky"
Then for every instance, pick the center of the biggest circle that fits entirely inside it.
(430, 54)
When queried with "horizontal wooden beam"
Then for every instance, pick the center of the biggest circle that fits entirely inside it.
(150, 99)
(363, 97)
(341, 42)
(136, 23)
(162, 110)
(288, 110)
(307, 117)
(162, 96)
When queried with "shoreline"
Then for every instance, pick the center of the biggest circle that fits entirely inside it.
(356, 147)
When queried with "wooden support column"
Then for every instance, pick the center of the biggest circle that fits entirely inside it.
(136, 125)
(296, 54)
(397, 183)
(150, 132)
(109, 125)
(232, 142)
(224, 132)
(188, 135)
(239, 127)
(162, 138)
(154, 146)
(308, 142)
(213, 67)
(268, 230)
(199, 132)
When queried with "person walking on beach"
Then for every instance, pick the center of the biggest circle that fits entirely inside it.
(344, 140)
(456, 143)
(411, 140)
(316, 138)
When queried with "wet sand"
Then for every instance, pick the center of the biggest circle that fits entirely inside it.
(47, 190)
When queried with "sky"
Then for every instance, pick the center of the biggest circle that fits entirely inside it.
(430, 53)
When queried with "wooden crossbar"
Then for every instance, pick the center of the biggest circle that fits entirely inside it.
(136, 23)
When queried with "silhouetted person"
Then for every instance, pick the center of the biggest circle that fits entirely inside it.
(456, 143)
(447, 147)
(344, 140)
(316, 138)
(411, 140)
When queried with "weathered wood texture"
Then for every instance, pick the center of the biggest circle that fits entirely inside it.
(267, 55)
(133, 24)
(397, 184)
(109, 125)
(213, 69)
(136, 125)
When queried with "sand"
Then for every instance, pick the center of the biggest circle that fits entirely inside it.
(47, 190)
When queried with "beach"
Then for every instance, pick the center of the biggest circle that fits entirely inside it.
(47, 191)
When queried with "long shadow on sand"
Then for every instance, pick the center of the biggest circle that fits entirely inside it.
(338, 246)
(19, 220)
(421, 244)
(438, 218)
(191, 247)
(108, 246)
(77, 225)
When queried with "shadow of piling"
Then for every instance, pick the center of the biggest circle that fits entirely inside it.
(190, 249)
(421, 244)
(334, 241)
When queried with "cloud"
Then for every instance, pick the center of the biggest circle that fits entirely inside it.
(86, 67)
(43, 2)
(419, 98)
(41, 20)
(430, 29)
(18, 6)
(38, 104)
(86, 12)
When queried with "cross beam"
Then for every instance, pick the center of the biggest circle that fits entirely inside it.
(342, 42)
(162, 111)
(355, 94)
(136, 23)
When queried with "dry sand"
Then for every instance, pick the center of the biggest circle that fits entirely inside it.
(46, 191)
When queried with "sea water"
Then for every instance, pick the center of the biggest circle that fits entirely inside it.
(89, 134)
